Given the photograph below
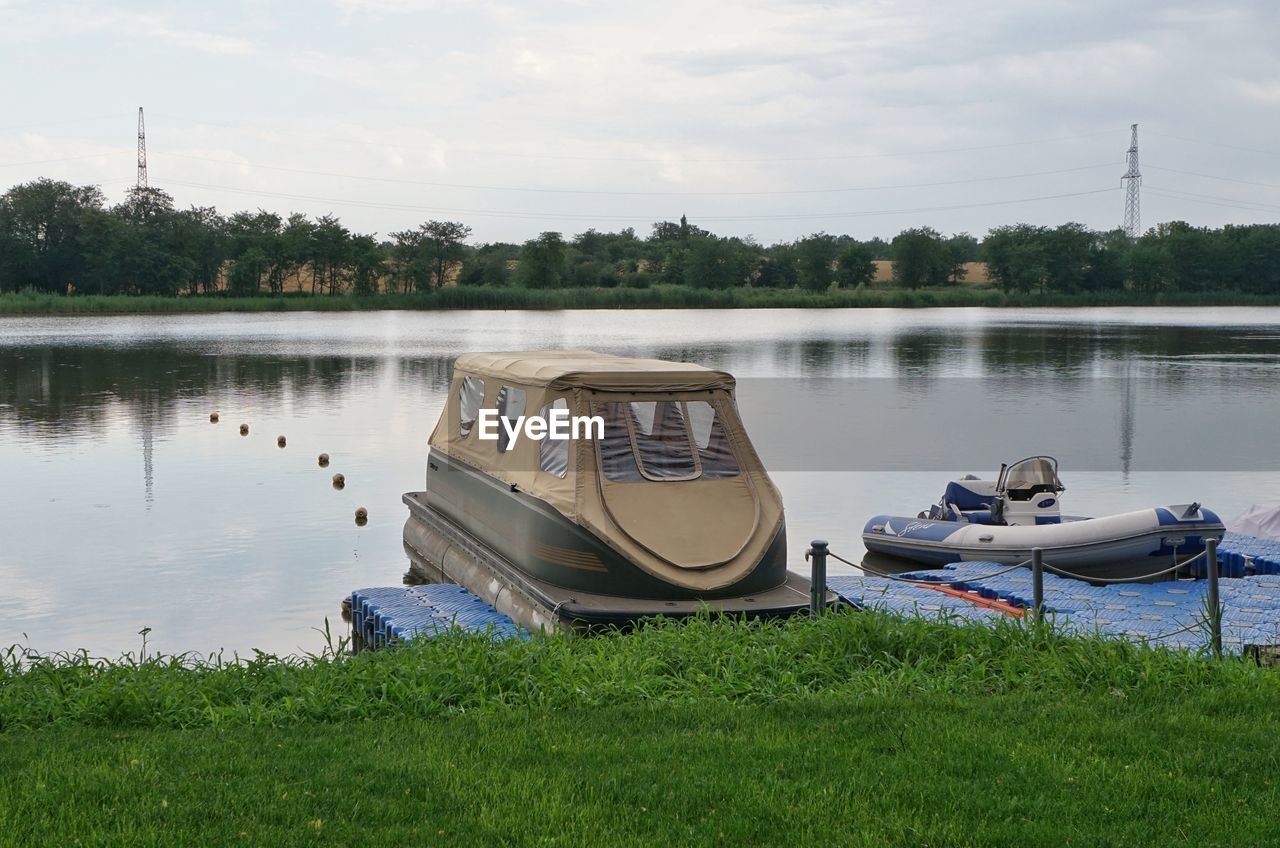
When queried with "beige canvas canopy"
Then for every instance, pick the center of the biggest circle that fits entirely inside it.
(672, 482)
(586, 369)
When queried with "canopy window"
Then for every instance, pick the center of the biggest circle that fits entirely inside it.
(664, 440)
(510, 408)
(470, 396)
(553, 454)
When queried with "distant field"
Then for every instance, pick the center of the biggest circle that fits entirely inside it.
(975, 273)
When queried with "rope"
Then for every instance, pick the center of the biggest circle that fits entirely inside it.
(1062, 572)
(1192, 626)
(918, 580)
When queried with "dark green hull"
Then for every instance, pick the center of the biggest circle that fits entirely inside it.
(517, 552)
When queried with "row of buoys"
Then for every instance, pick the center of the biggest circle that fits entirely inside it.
(339, 480)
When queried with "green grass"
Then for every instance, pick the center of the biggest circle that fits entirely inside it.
(857, 729)
(905, 768)
(657, 297)
(722, 660)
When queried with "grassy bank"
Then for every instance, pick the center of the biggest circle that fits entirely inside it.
(657, 297)
(855, 729)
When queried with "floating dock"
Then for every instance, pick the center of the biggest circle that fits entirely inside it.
(1170, 614)
(381, 616)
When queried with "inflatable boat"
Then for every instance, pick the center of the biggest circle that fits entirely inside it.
(656, 505)
(1002, 520)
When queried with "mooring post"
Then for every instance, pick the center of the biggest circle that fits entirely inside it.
(1037, 583)
(1215, 611)
(818, 577)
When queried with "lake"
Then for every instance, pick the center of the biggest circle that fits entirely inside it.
(123, 507)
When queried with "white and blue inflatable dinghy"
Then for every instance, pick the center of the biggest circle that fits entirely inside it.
(1002, 520)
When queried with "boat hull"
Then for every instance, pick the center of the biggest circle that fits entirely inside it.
(441, 551)
(1133, 541)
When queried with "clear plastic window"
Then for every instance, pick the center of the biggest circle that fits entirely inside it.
(510, 408)
(663, 440)
(470, 396)
(554, 453)
(714, 454)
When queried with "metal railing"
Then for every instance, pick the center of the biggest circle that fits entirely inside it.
(819, 550)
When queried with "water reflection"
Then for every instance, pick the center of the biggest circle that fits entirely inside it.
(124, 507)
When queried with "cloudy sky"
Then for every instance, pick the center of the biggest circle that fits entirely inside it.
(774, 119)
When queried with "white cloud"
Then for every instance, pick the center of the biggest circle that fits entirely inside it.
(696, 95)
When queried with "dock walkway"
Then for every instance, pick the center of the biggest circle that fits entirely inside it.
(1171, 613)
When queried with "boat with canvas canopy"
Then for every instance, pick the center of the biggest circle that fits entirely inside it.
(657, 505)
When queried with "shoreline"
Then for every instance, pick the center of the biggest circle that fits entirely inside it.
(658, 297)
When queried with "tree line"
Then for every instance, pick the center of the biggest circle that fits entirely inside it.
(60, 238)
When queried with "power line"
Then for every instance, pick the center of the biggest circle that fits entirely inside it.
(59, 123)
(1213, 177)
(1216, 200)
(1215, 144)
(471, 151)
(540, 190)
(598, 217)
(63, 159)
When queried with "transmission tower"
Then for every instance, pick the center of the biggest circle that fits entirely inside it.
(1133, 183)
(142, 151)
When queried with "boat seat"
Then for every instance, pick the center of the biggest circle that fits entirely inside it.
(979, 516)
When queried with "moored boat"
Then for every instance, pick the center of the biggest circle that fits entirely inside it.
(1003, 520)
(657, 505)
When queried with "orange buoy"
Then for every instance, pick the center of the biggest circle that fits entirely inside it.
(324, 460)
(339, 481)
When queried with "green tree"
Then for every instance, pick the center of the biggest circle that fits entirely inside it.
(855, 265)
(1150, 267)
(40, 227)
(961, 250)
(245, 279)
(542, 262)
(148, 257)
(1108, 261)
(1256, 257)
(709, 263)
(488, 266)
(920, 258)
(410, 271)
(778, 268)
(442, 246)
(329, 253)
(366, 265)
(201, 236)
(1016, 257)
(816, 258)
(1067, 251)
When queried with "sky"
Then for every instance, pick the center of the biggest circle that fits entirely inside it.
(768, 119)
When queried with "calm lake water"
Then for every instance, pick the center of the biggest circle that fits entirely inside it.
(123, 507)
